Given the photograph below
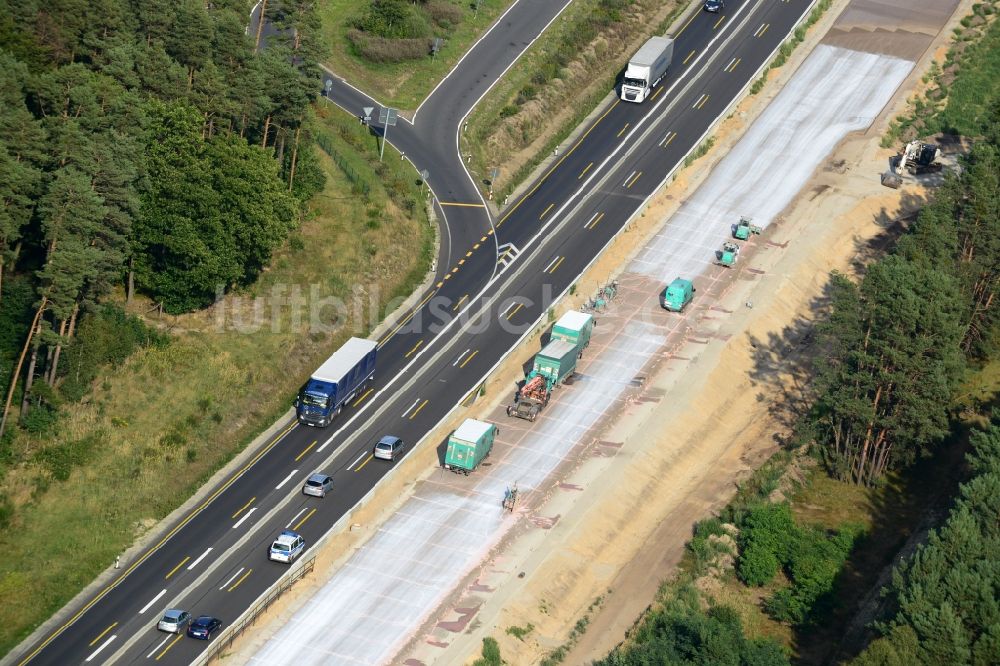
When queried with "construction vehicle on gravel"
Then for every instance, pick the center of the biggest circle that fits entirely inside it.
(531, 399)
(728, 255)
(916, 158)
(744, 228)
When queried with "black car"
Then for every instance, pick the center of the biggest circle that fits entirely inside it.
(714, 5)
(203, 627)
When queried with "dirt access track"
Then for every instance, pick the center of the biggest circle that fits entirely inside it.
(613, 522)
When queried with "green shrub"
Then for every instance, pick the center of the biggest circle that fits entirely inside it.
(757, 565)
(106, 336)
(491, 653)
(815, 560)
(767, 533)
(393, 19)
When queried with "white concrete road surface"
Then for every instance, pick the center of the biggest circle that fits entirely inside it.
(376, 603)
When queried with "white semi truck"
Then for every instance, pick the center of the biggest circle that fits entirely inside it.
(646, 68)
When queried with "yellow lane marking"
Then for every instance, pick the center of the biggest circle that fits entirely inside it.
(489, 233)
(415, 348)
(656, 94)
(439, 285)
(174, 570)
(719, 22)
(459, 304)
(621, 131)
(686, 24)
(632, 182)
(455, 269)
(483, 239)
(297, 526)
(514, 311)
(585, 170)
(408, 317)
(542, 216)
(732, 65)
(362, 398)
(553, 269)
(244, 507)
(761, 30)
(690, 55)
(305, 451)
(464, 205)
(249, 571)
(476, 246)
(170, 645)
(468, 254)
(370, 456)
(145, 556)
(460, 262)
(556, 165)
(468, 358)
(448, 276)
(593, 221)
(701, 102)
(417, 410)
(101, 635)
(668, 138)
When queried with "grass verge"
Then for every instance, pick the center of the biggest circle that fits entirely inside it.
(156, 427)
(402, 85)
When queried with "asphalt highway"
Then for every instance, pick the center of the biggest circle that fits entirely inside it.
(213, 560)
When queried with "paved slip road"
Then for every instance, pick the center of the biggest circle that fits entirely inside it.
(213, 560)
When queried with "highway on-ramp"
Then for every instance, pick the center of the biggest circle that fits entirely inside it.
(213, 560)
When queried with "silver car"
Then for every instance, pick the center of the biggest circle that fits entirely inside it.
(318, 485)
(174, 621)
(389, 448)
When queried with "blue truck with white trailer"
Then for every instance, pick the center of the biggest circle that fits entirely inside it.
(337, 381)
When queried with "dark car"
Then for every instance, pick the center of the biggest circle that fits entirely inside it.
(204, 627)
(714, 5)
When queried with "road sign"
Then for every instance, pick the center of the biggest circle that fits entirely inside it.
(387, 117)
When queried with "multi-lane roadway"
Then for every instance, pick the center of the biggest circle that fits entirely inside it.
(213, 560)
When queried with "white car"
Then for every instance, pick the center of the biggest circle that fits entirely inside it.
(287, 547)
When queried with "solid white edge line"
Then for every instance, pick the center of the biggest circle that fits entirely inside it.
(157, 648)
(200, 558)
(290, 523)
(226, 584)
(460, 357)
(103, 645)
(245, 516)
(152, 601)
(551, 263)
(286, 479)
(356, 461)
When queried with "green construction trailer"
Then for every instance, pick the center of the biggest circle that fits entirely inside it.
(574, 327)
(469, 445)
(555, 362)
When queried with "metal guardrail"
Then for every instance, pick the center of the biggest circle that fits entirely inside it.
(225, 640)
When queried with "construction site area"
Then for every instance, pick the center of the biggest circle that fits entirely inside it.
(666, 378)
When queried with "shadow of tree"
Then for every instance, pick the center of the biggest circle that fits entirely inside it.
(901, 513)
(784, 362)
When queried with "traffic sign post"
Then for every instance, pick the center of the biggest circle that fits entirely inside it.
(387, 117)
